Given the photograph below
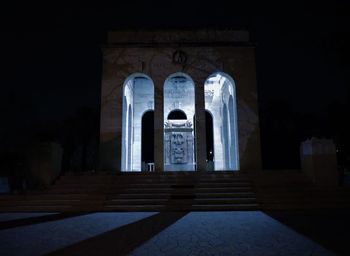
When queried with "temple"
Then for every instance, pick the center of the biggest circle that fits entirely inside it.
(179, 101)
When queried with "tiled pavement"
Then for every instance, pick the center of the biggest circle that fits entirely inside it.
(150, 233)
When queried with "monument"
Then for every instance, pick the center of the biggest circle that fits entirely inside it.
(195, 88)
(178, 149)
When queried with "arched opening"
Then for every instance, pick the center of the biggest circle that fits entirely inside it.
(220, 101)
(138, 98)
(210, 141)
(179, 110)
(147, 154)
(177, 114)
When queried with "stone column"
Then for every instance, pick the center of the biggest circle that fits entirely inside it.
(200, 124)
(319, 161)
(158, 125)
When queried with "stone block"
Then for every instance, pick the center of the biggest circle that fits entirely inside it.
(44, 161)
(319, 161)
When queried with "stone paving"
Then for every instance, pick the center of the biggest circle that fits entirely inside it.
(229, 233)
(46, 237)
(194, 233)
(22, 215)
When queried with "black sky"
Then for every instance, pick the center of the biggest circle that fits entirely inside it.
(53, 61)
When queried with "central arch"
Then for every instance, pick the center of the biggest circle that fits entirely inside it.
(179, 112)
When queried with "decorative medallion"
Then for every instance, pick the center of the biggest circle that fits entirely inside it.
(180, 57)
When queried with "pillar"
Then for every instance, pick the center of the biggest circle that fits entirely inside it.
(158, 125)
(200, 123)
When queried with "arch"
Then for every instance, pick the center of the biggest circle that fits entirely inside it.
(220, 101)
(179, 110)
(138, 98)
(177, 114)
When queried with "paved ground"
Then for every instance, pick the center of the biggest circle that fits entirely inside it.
(172, 233)
(22, 215)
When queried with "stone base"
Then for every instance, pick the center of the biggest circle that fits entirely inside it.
(179, 167)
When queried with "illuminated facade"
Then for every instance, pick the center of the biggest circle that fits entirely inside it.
(179, 101)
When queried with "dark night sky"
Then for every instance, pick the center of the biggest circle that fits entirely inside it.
(53, 60)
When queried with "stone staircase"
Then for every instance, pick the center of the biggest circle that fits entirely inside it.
(180, 191)
(169, 191)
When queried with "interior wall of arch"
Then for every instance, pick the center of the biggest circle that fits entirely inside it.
(139, 94)
(219, 89)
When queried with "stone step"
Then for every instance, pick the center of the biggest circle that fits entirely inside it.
(197, 195)
(127, 208)
(157, 185)
(308, 200)
(150, 176)
(226, 207)
(224, 201)
(51, 202)
(139, 192)
(138, 196)
(305, 206)
(181, 201)
(174, 207)
(147, 190)
(119, 202)
(39, 208)
(149, 181)
(79, 196)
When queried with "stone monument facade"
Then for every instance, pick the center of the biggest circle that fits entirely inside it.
(190, 71)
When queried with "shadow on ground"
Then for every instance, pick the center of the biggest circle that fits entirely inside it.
(329, 228)
(38, 219)
(124, 239)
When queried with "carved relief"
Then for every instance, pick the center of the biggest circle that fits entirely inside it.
(179, 141)
(178, 148)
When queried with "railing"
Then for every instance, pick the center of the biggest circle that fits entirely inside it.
(150, 167)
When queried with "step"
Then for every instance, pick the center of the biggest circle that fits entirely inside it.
(52, 202)
(224, 201)
(225, 195)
